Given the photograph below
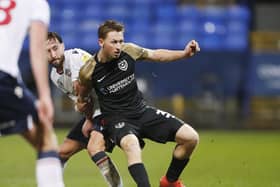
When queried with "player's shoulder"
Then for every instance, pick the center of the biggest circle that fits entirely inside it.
(74, 51)
(134, 50)
(77, 54)
(32, 3)
(87, 70)
(128, 45)
(39, 2)
(38, 10)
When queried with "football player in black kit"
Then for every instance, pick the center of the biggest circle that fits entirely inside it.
(128, 118)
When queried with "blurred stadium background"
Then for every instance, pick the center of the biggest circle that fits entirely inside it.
(233, 83)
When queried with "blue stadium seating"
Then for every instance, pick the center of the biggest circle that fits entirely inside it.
(156, 23)
(117, 12)
(188, 12)
(139, 39)
(166, 13)
(236, 12)
(236, 42)
(70, 40)
(93, 11)
(89, 41)
(140, 13)
(187, 27)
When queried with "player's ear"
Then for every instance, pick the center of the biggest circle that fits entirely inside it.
(63, 46)
(101, 42)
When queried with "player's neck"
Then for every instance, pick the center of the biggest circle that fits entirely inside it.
(102, 58)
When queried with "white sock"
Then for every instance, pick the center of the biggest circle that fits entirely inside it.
(107, 169)
(49, 172)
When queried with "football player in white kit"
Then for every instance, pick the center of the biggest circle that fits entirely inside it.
(19, 110)
(66, 65)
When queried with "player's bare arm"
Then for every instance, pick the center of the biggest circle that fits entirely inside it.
(40, 66)
(165, 55)
(83, 88)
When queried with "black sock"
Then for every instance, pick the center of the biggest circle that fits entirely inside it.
(175, 169)
(139, 174)
(99, 157)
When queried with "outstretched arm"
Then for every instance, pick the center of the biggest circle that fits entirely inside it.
(165, 55)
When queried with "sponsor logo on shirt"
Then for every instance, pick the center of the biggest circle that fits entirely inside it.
(121, 84)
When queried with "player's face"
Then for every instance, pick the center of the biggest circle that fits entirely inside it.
(55, 53)
(111, 45)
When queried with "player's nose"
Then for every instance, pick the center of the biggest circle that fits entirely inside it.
(53, 54)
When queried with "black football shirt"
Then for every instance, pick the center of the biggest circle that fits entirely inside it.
(115, 83)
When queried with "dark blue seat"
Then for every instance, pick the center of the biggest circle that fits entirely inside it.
(188, 12)
(93, 11)
(167, 13)
(139, 38)
(236, 42)
(116, 12)
(237, 12)
(89, 42)
(70, 40)
(211, 42)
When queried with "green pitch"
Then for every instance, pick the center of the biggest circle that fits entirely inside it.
(222, 159)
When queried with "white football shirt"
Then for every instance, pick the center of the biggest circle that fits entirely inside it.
(74, 60)
(15, 19)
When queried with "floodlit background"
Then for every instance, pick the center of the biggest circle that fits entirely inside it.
(229, 92)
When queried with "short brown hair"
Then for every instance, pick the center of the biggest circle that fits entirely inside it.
(108, 26)
(54, 35)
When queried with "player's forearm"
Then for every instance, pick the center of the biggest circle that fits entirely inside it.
(85, 101)
(165, 55)
(85, 107)
(38, 58)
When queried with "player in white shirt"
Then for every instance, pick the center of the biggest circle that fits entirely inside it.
(20, 113)
(66, 65)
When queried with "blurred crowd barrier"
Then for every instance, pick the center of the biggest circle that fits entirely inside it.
(264, 80)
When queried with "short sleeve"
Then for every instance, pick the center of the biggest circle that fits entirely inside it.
(135, 51)
(77, 62)
(41, 11)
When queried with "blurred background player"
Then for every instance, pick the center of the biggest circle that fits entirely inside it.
(64, 74)
(18, 107)
(129, 118)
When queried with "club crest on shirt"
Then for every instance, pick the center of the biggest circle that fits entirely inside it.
(123, 65)
(119, 125)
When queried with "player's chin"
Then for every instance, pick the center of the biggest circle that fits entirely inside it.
(57, 62)
(117, 55)
(56, 65)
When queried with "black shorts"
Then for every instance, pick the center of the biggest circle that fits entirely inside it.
(77, 135)
(154, 124)
(17, 106)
